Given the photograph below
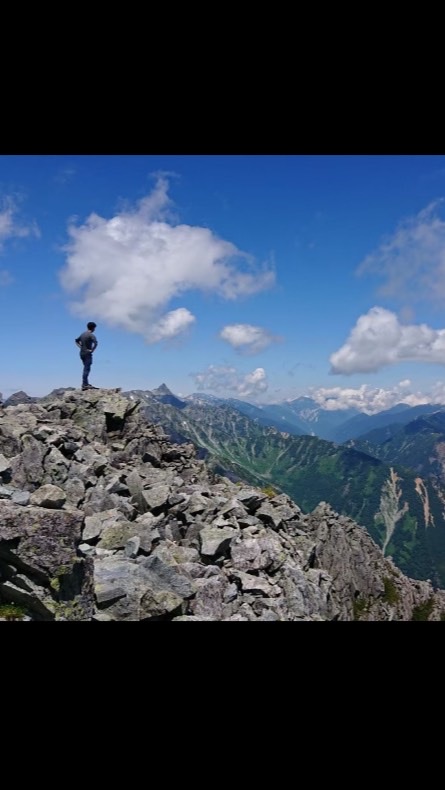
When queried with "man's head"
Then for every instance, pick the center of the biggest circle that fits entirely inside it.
(91, 326)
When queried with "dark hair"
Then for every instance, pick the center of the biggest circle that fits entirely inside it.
(91, 325)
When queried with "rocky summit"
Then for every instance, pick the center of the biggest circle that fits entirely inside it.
(102, 518)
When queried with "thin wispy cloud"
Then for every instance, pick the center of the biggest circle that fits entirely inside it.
(411, 261)
(226, 379)
(5, 278)
(379, 339)
(225, 205)
(126, 270)
(11, 226)
(247, 339)
(65, 175)
(432, 175)
(296, 366)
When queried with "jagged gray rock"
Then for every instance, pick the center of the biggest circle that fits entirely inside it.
(18, 398)
(134, 527)
(215, 541)
(21, 497)
(5, 465)
(48, 496)
(40, 567)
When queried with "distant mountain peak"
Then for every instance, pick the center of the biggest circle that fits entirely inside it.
(162, 390)
(164, 395)
(18, 398)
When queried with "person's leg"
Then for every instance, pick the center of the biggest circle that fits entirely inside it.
(87, 362)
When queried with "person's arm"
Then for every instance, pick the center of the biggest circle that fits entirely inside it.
(77, 342)
(95, 343)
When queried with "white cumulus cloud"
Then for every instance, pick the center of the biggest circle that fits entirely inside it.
(378, 339)
(247, 338)
(171, 324)
(125, 270)
(254, 382)
(370, 399)
(227, 379)
(437, 393)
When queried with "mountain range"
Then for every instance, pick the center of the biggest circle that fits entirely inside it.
(304, 416)
(419, 445)
(388, 475)
(402, 510)
(103, 518)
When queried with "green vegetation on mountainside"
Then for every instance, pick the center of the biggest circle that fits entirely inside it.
(391, 505)
(418, 446)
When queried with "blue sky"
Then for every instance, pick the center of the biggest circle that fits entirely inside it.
(258, 277)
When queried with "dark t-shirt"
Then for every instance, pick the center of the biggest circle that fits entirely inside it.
(87, 340)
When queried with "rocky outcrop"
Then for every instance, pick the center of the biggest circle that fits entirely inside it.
(103, 518)
(18, 397)
(41, 569)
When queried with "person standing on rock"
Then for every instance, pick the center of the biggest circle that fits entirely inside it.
(87, 342)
